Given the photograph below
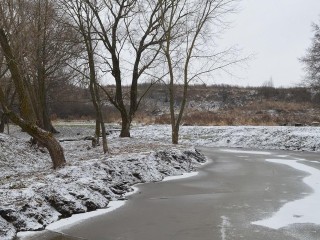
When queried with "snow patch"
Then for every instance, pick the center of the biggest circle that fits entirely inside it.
(248, 152)
(225, 224)
(7, 230)
(63, 223)
(185, 175)
(75, 192)
(74, 219)
(301, 210)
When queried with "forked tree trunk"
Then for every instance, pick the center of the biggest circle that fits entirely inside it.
(48, 123)
(175, 135)
(125, 126)
(45, 118)
(43, 137)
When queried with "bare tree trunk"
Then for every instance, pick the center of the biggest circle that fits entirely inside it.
(104, 138)
(44, 120)
(125, 117)
(47, 123)
(43, 112)
(45, 138)
(125, 125)
(97, 129)
(100, 117)
(3, 122)
(96, 99)
(175, 134)
(2, 127)
(4, 118)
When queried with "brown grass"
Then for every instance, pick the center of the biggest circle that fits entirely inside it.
(263, 113)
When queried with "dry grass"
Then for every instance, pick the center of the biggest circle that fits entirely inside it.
(259, 113)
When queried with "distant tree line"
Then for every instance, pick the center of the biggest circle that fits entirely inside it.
(75, 103)
(311, 60)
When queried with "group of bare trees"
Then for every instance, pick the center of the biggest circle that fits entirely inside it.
(32, 54)
(311, 60)
(121, 42)
(188, 47)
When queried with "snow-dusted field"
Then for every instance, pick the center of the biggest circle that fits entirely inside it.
(32, 195)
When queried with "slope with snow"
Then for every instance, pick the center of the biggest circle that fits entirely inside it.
(32, 195)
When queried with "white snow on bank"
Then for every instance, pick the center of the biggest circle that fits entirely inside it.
(63, 223)
(113, 205)
(253, 137)
(248, 152)
(22, 166)
(185, 175)
(74, 219)
(299, 211)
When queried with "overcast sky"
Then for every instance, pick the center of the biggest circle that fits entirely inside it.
(277, 32)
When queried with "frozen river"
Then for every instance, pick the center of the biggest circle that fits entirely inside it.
(250, 195)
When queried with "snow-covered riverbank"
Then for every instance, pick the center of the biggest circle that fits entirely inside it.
(33, 196)
(254, 137)
(35, 202)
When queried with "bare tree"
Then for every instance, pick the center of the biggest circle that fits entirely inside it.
(3, 72)
(54, 46)
(83, 20)
(130, 33)
(9, 95)
(311, 60)
(44, 44)
(16, 45)
(27, 118)
(188, 28)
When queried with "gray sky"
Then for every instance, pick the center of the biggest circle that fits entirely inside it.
(277, 32)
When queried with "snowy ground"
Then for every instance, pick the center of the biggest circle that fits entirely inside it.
(32, 195)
